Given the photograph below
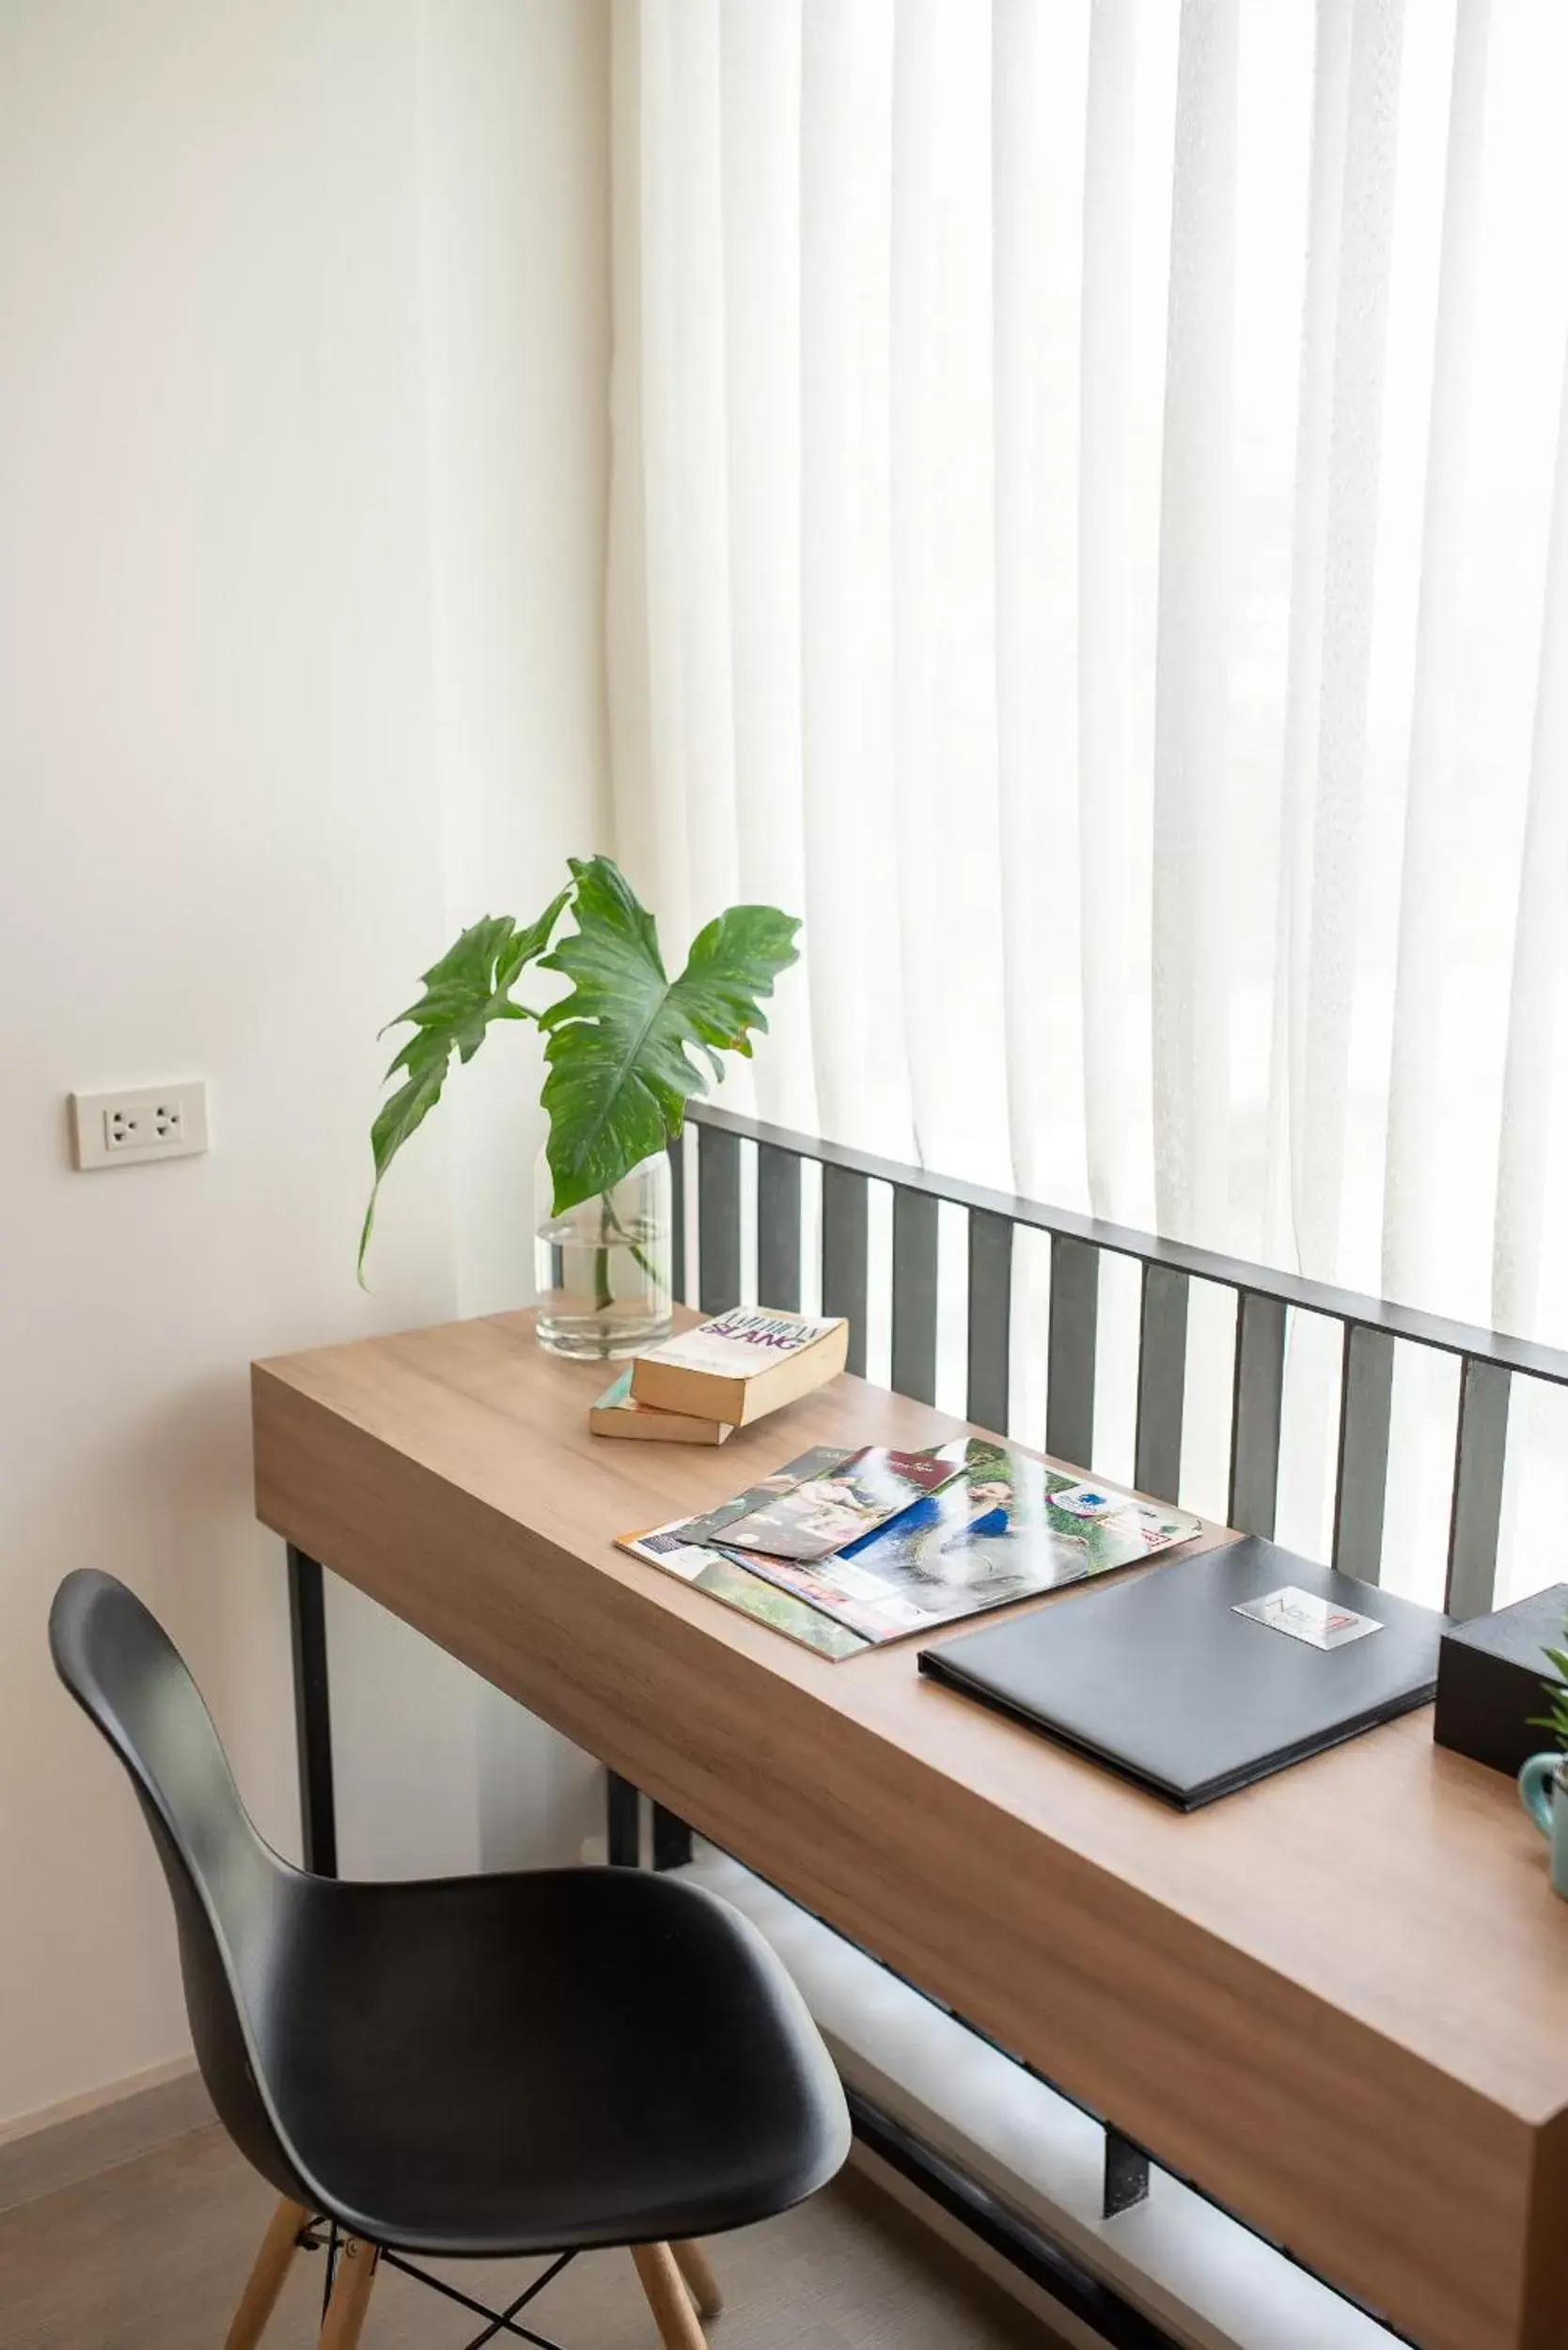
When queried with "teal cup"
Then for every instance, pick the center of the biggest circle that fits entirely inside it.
(1538, 1781)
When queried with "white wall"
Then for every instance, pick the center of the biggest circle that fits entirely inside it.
(514, 238)
(303, 317)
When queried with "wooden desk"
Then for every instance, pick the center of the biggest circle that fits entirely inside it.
(1338, 2002)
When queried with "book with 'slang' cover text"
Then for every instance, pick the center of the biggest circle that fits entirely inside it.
(742, 1365)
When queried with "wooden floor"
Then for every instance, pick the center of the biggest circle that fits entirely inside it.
(151, 2256)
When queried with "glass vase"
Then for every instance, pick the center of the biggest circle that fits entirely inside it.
(602, 1270)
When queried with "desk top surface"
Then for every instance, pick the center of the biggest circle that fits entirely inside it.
(1396, 1883)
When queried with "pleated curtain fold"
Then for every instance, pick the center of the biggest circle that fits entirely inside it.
(1089, 530)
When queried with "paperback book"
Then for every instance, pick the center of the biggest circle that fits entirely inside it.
(618, 1413)
(741, 1365)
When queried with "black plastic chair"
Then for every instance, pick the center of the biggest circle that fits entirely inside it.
(474, 2066)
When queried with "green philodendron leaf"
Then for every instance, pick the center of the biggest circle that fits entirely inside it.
(1556, 1718)
(620, 1044)
(465, 991)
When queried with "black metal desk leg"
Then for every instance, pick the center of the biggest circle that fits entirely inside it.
(312, 1715)
(1127, 2174)
(622, 1822)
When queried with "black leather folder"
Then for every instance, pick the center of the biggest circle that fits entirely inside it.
(1161, 1680)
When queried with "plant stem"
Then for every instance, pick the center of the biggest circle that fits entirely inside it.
(622, 1234)
(602, 1256)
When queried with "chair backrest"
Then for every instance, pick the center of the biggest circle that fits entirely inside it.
(232, 1895)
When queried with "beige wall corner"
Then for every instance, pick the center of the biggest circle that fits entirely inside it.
(300, 543)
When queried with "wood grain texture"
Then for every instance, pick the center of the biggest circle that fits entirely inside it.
(351, 2296)
(667, 2298)
(703, 2286)
(1339, 2000)
(266, 2279)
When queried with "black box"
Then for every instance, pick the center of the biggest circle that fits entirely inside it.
(1490, 1673)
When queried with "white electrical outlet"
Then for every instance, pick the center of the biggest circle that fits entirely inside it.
(139, 1122)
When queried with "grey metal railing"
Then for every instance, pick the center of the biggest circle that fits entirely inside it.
(1488, 1361)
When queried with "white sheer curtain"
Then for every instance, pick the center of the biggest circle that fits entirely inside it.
(1089, 529)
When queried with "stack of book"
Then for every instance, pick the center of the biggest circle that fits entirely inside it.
(845, 1550)
(700, 1386)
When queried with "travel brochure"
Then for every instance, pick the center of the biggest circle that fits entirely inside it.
(979, 1525)
(725, 1579)
(834, 1507)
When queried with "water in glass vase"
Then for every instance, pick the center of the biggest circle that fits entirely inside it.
(602, 1269)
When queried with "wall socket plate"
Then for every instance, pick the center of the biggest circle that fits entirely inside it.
(135, 1123)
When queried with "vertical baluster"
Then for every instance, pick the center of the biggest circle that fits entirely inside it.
(1479, 1457)
(1366, 1400)
(1257, 1398)
(777, 1228)
(1069, 1359)
(1162, 1381)
(915, 1246)
(677, 1219)
(672, 1838)
(718, 1219)
(990, 1318)
(845, 1254)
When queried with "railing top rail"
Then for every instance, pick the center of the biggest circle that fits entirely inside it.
(1534, 1360)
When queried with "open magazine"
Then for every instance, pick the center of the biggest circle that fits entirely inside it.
(992, 1526)
(834, 1507)
(725, 1579)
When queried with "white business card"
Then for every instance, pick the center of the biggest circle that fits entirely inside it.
(1321, 1623)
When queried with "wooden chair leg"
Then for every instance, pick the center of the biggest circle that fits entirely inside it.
(666, 2297)
(265, 2281)
(351, 2295)
(692, 2260)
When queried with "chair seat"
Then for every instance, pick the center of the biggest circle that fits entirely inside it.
(509, 2064)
